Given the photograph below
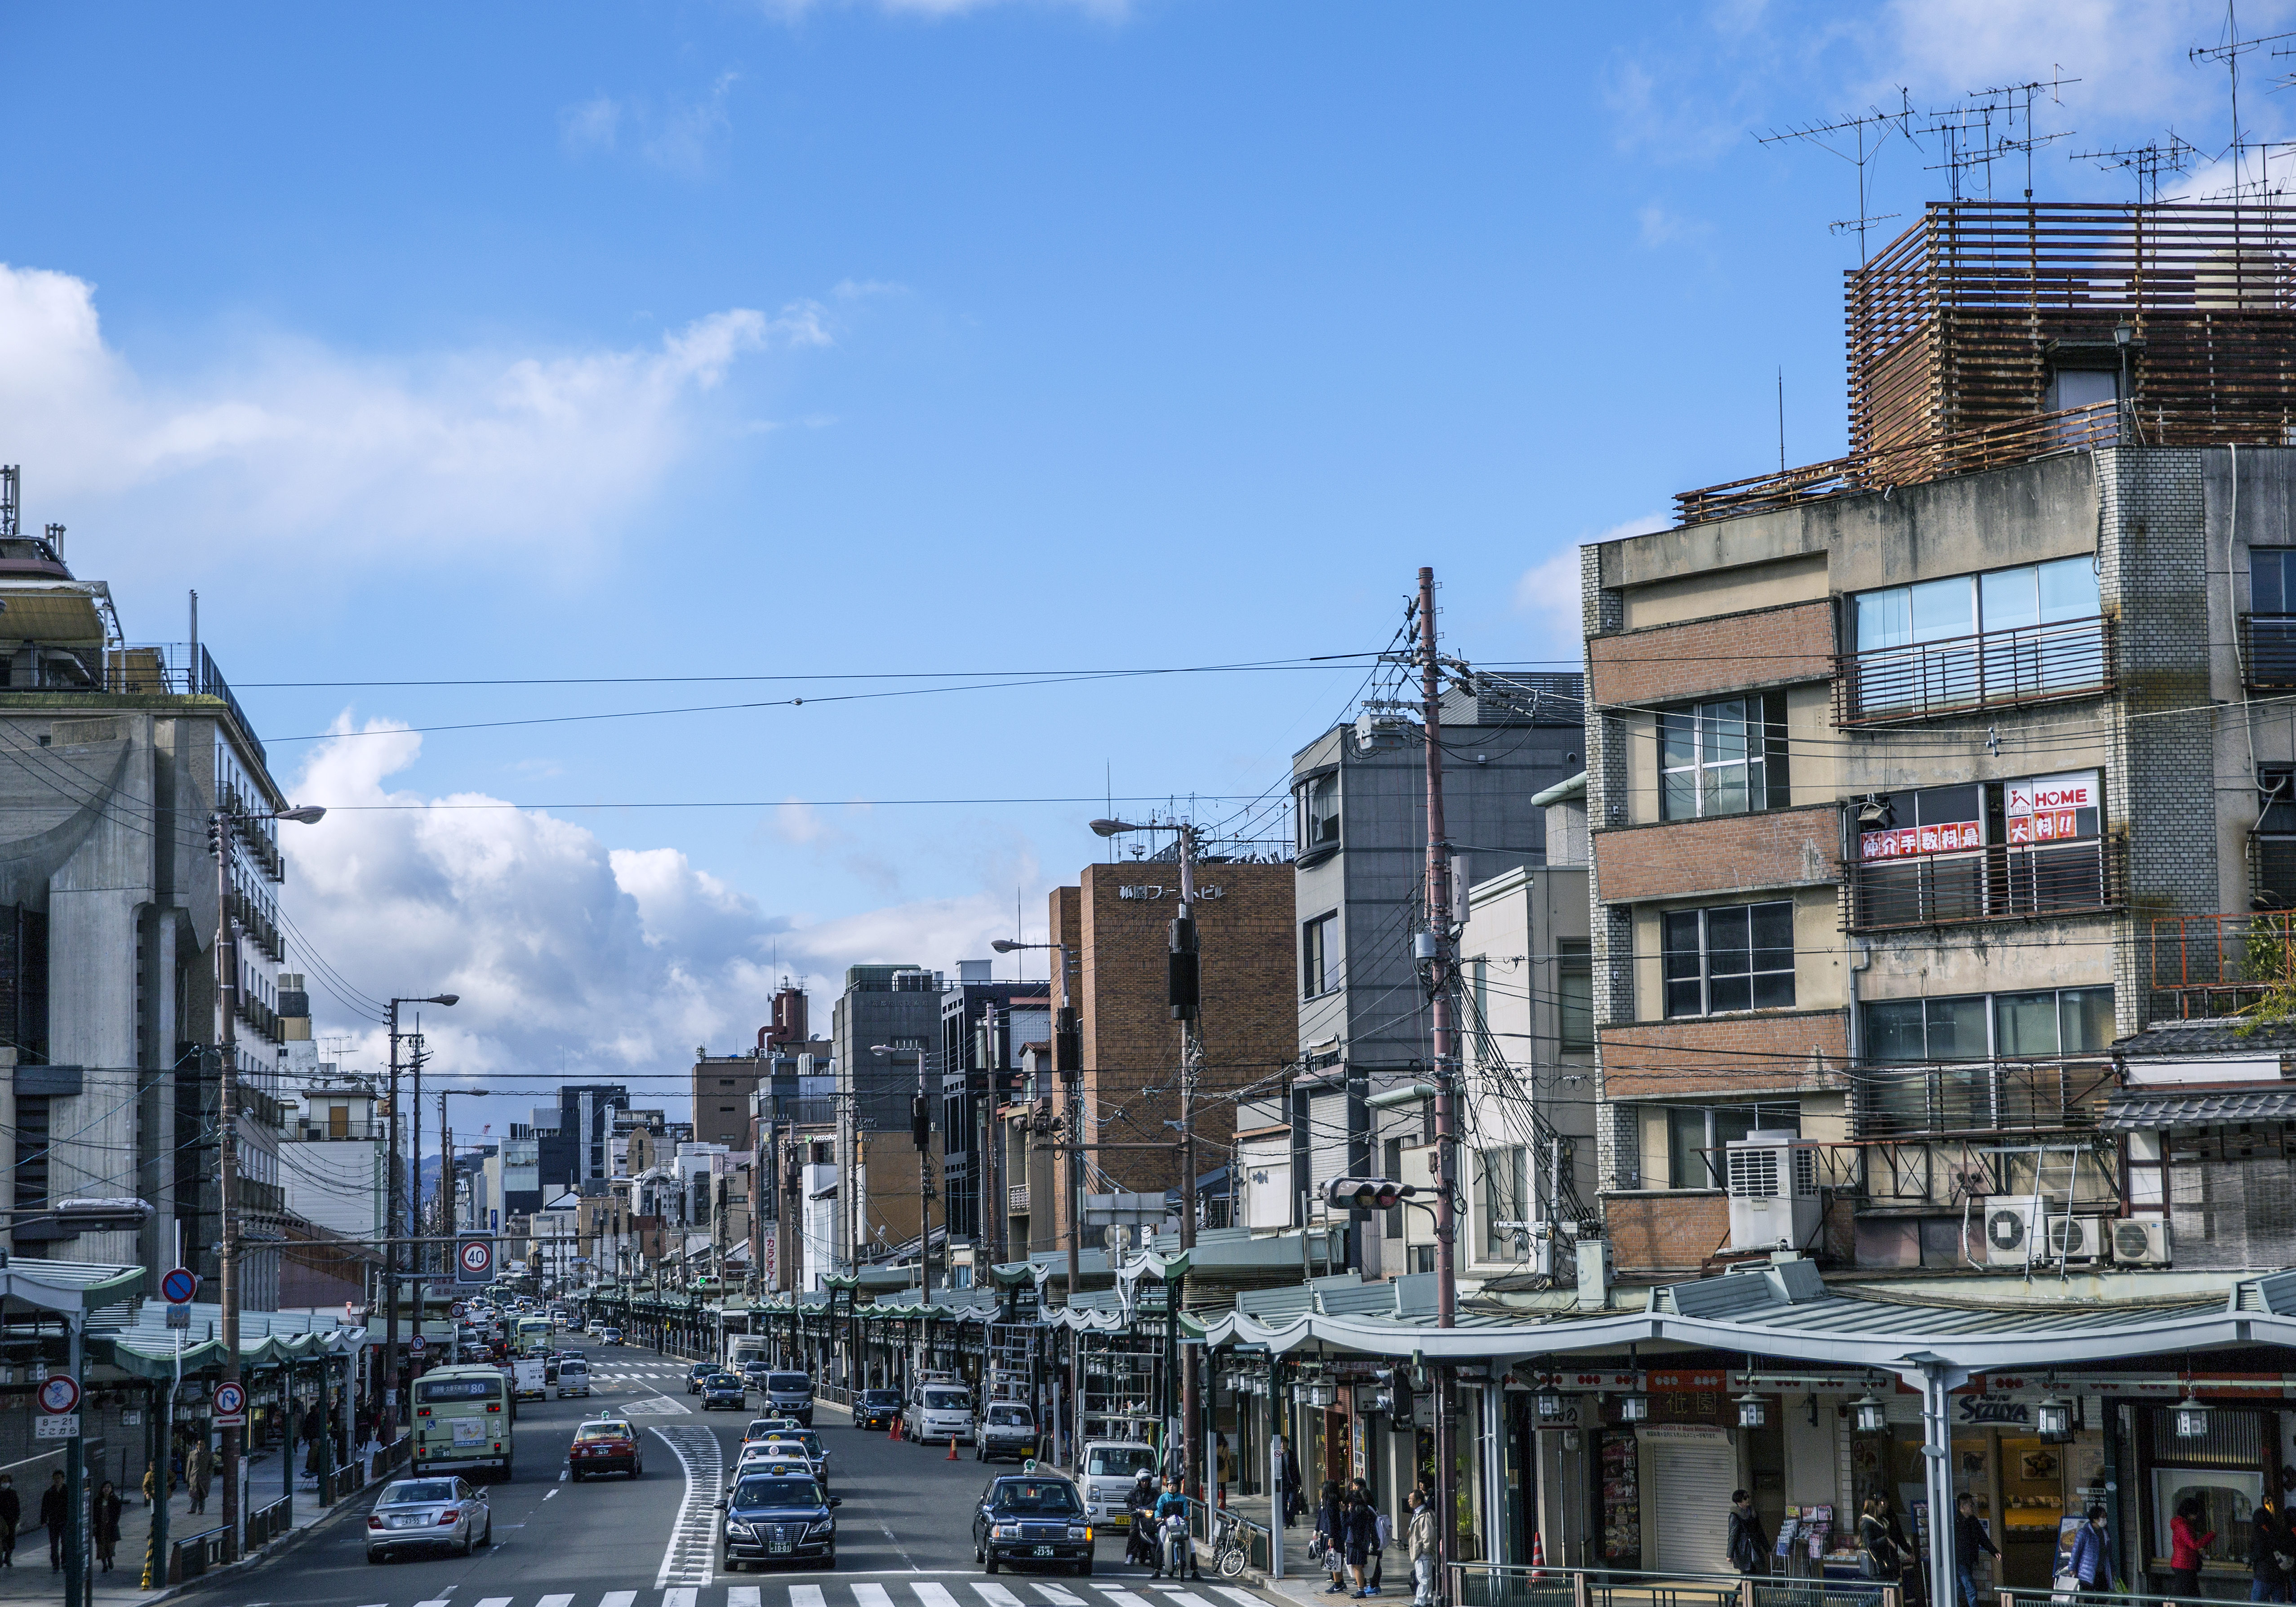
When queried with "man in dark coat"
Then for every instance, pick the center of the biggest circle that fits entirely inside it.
(11, 1515)
(55, 1516)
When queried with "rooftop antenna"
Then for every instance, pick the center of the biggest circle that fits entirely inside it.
(2012, 104)
(2147, 161)
(1864, 136)
(11, 483)
(2229, 52)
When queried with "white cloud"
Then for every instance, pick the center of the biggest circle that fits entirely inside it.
(594, 124)
(297, 442)
(2128, 55)
(620, 961)
(1549, 590)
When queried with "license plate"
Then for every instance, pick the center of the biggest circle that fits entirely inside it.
(1044, 1551)
(779, 1545)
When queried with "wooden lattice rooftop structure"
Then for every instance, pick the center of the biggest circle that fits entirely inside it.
(1992, 333)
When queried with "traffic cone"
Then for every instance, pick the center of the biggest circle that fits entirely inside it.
(952, 1447)
(1537, 1555)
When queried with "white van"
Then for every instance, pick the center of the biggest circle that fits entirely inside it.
(573, 1379)
(938, 1411)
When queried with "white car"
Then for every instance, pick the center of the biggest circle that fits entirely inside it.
(424, 1512)
(573, 1379)
(938, 1412)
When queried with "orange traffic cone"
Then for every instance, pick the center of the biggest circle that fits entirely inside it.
(1537, 1555)
(952, 1447)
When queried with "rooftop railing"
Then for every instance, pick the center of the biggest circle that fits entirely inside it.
(173, 669)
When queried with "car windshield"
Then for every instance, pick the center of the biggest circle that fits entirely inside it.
(418, 1491)
(880, 1397)
(1036, 1496)
(805, 1436)
(1112, 1461)
(757, 1427)
(1009, 1414)
(790, 1383)
(776, 1492)
(945, 1400)
(603, 1430)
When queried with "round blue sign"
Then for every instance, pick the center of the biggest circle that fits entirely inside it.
(179, 1286)
(230, 1399)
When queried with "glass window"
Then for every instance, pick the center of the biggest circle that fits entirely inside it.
(1686, 1164)
(1318, 973)
(1574, 993)
(1319, 812)
(1957, 1029)
(1736, 957)
(2272, 580)
(1894, 1031)
(1962, 605)
(1505, 1199)
(1723, 757)
(2010, 598)
(1884, 620)
(2025, 1025)
(1943, 608)
(2084, 1015)
(2068, 589)
(1683, 994)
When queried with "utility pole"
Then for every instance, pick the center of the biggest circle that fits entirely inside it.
(984, 1172)
(1185, 969)
(391, 1270)
(227, 949)
(920, 1131)
(414, 1172)
(1434, 946)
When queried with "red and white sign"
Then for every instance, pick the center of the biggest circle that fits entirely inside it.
(1900, 842)
(58, 1394)
(2047, 807)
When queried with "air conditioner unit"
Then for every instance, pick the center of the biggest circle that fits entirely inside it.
(2013, 1230)
(2075, 1239)
(1772, 1180)
(2140, 1241)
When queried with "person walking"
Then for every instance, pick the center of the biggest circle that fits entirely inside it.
(2271, 1557)
(1750, 1547)
(1423, 1550)
(103, 1524)
(1911, 1587)
(1969, 1539)
(1882, 1561)
(2188, 1544)
(1331, 1529)
(55, 1517)
(2090, 1565)
(11, 1515)
(1360, 1528)
(195, 1474)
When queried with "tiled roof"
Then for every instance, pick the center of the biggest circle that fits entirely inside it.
(2135, 1111)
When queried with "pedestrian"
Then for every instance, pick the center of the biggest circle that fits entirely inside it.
(1422, 1550)
(1331, 1529)
(2271, 1557)
(1382, 1532)
(2090, 1566)
(1969, 1539)
(1878, 1553)
(195, 1474)
(1911, 1587)
(2188, 1544)
(11, 1515)
(55, 1517)
(1360, 1529)
(1295, 1488)
(103, 1523)
(1223, 1465)
(1750, 1547)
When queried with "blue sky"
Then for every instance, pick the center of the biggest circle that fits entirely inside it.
(543, 342)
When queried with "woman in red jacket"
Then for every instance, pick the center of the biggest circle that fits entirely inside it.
(2189, 1543)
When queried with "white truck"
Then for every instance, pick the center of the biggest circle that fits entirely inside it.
(528, 1379)
(743, 1348)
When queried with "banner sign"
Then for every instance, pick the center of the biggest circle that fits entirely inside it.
(2047, 808)
(1898, 842)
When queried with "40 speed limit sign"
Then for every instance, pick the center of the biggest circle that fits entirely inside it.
(474, 1261)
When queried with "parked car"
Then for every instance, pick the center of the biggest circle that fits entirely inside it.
(777, 1513)
(605, 1446)
(877, 1408)
(791, 1394)
(609, 1336)
(725, 1389)
(1008, 1428)
(696, 1375)
(427, 1512)
(1032, 1520)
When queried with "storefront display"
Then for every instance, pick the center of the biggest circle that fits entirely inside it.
(1618, 1467)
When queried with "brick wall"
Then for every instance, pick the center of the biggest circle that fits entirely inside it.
(1725, 854)
(1612, 929)
(1131, 1045)
(1667, 663)
(1665, 1233)
(1736, 1056)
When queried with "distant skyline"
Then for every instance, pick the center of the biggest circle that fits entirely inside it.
(490, 370)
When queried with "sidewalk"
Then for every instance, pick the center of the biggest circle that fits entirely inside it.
(32, 1580)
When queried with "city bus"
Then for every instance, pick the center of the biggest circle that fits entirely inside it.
(531, 1336)
(463, 1418)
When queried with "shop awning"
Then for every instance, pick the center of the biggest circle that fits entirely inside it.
(2135, 1111)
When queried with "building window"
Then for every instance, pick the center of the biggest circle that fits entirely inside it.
(1982, 851)
(1319, 812)
(2044, 1025)
(1970, 640)
(2272, 852)
(1695, 1138)
(1506, 1201)
(1739, 956)
(1723, 757)
(2270, 644)
(1574, 993)
(1318, 967)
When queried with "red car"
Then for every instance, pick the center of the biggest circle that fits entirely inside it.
(607, 1446)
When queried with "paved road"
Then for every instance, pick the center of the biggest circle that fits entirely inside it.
(904, 1536)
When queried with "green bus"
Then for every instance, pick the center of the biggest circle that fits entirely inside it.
(463, 1418)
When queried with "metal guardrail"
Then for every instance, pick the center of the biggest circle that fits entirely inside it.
(266, 1524)
(193, 1554)
(2001, 881)
(1495, 1585)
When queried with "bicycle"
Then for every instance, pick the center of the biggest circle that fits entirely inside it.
(1227, 1546)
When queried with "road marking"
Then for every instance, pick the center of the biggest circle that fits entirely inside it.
(1180, 1598)
(1124, 1598)
(867, 1594)
(494, 1601)
(933, 1595)
(1242, 1598)
(805, 1595)
(555, 1601)
(690, 1557)
(441, 1602)
(742, 1596)
(618, 1598)
(1060, 1598)
(996, 1595)
(678, 1598)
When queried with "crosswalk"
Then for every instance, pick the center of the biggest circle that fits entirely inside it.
(897, 1593)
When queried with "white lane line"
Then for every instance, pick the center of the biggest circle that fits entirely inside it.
(617, 1598)
(807, 1595)
(690, 1557)
(1057, 1595)
(494, 1601)
(867, 1595)
(742, 1596)
(996, 1595)
(555, 1601)
(1125, 1598)
(683, 1597)
(1242, 1598)
(933, 1595)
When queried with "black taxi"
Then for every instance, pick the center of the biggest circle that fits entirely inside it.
(777, 1513)
(1032, 1519)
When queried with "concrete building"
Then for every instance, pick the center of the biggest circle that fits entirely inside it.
(983, 1025)
(724, 1084)
(334, 1155)
(577, 1145)
(897, 1006)
(108, 922)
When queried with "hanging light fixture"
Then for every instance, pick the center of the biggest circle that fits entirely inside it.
(2054, 1418)
(1753, 1411)
(1872, 1414)
(1633, 1406)
(1552, 1405)
(2191, 1417)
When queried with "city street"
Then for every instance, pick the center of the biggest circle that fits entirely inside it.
(903, 1531)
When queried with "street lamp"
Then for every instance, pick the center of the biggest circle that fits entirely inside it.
(221, 823)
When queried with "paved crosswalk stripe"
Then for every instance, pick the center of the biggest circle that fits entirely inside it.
(555, 1601)
(742, 1596)
(1058, 1595)
(1242, 1598)
(871, 1595)
(494, 1601)
(805, 1595)
(996, 1595)
(441, 1602)
(618, 1598)
(932, 1594)
(1180, 1598)
(1125, 1598)
(678, 1596)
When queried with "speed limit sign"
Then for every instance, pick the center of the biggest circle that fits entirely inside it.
(474, 1261)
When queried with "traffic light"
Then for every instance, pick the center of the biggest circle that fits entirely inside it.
(1366, 1194)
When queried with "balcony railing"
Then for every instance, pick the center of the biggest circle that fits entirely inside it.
(1996, 1097)
(2000, 882)
(2202, 966)
(176, 669)
(2267, 652)
(1992, 670)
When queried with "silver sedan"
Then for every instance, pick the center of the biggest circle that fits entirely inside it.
(450, 1513)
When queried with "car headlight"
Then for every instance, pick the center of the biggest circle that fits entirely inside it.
(1077, 1532)
(826, 1526)
(742, 1530)
(1007, 1531)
